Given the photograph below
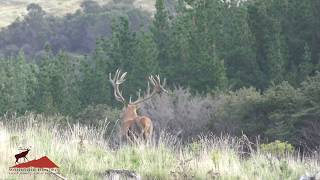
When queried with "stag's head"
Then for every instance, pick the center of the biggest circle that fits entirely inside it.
(132, 106)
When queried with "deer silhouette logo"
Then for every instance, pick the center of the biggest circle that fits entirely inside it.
(23, 155)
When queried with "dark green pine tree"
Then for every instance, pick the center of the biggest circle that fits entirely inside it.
(44, 100)
(306, 68)
(17, 84)
(144, 63)
(65, 80)
(194, 53)
(94, 81)
(235, 45)
(86, 82)
(161, 35)
(120, 51)
(26, 83)
(57, 90)
(315, 45)
(122, 44)
(271, 53)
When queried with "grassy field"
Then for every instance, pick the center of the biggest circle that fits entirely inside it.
(11, 9)
(209, 158)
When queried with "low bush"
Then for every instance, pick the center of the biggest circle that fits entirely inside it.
(237, 112)
(180, 112)
(282, 112)
(277, 148)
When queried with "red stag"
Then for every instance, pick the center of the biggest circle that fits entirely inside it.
(132, 123)
(22, 155)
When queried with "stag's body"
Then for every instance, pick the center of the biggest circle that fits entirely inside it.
(135, 125)
(22, 155)
(147, 126)
(132, 123)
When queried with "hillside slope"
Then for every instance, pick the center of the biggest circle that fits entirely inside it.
(12, 9)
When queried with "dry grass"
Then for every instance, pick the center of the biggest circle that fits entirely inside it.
(12, 9)
(88, 157)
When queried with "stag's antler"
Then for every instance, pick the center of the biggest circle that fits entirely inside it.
(116, 81)
(26, 148)
(157, 88)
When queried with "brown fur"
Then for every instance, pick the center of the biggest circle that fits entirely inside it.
(134, 125)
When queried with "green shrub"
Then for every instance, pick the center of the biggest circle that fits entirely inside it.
(277, 148)
(235, 112)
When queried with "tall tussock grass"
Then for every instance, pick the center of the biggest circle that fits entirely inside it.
(83, 152)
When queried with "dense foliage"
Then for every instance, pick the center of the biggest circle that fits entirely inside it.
(258, 59)
(282, 112)
(75, 33)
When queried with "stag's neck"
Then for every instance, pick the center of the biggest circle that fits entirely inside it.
(129, 115)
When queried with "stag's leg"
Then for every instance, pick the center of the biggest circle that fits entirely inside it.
(17, 160)
(139, 127)
(127, 137)
(148, 134)
(147, 128)
(136, 130)
(125, 127)
(131, 136)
